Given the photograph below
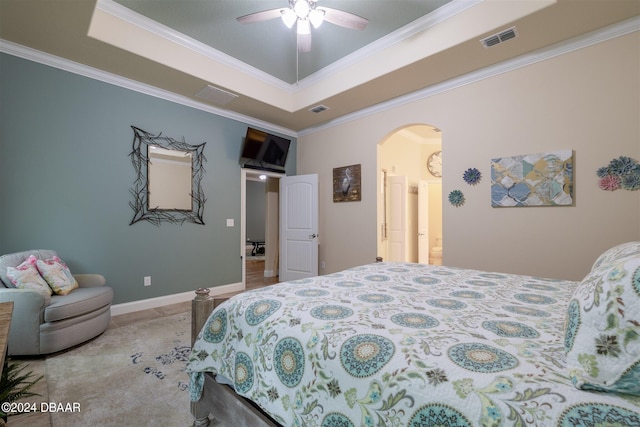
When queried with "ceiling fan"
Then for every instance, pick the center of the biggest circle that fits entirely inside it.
(304, 14)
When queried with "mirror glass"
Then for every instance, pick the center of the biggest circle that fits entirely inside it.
(169, 173)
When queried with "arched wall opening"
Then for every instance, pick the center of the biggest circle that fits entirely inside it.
(409, 195)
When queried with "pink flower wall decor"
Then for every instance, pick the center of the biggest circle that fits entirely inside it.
(609, 183)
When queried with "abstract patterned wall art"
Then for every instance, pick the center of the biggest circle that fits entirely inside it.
(543, 179)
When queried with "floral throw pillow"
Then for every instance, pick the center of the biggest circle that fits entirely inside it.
(57, 275)
(26, 276)
(619, 251)
(602, 337)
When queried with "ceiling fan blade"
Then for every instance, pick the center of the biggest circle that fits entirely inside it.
(304, 42)
(265, 15)
(343, 19)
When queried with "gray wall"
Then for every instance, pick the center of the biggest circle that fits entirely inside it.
(65, 175)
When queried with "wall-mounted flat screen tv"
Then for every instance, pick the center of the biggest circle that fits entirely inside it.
(262, 150)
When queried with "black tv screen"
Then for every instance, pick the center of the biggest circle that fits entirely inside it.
(264, 149)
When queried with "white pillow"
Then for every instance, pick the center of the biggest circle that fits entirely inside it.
(602, 336)
(57, 275)
(616, 252)
(26, 276)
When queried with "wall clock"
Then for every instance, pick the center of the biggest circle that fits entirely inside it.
(434, 164)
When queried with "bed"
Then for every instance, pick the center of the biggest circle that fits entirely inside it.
(400, 344)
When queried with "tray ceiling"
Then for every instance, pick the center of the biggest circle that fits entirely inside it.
(181, 47)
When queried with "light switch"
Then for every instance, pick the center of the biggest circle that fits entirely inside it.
(230, 222)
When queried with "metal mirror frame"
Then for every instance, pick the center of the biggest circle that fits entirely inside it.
(140, 190)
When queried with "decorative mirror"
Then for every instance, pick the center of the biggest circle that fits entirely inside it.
(168, 179)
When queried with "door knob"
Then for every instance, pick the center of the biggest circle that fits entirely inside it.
(313, 236)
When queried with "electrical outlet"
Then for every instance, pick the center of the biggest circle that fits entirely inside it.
(147, 280)
(323, 265)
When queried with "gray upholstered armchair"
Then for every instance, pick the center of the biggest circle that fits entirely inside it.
(43, 323)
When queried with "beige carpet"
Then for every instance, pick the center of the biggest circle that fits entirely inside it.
(129, 376)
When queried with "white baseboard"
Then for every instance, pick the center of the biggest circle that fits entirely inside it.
(130, 307)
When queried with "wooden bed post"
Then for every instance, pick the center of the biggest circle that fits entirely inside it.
(199, 420)
(201, 308)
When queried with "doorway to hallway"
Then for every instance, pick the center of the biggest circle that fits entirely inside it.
(410, 195)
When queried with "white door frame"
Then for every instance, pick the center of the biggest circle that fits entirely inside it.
(243, 213)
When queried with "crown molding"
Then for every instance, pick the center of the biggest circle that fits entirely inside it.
(598, 36)
(607, 33)
(439, 15)
(147, 24)
(103, 76)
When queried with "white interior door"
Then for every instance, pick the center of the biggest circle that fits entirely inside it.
(298, 227)
(423, 222)
(397, 243)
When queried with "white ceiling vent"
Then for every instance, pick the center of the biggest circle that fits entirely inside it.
(215, 95)
(502, 36)
(319, 108)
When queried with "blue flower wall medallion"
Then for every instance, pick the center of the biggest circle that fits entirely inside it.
(623, 172)
(472, 176)
(456, 198)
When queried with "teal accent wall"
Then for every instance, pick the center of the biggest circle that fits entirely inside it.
(65, 175)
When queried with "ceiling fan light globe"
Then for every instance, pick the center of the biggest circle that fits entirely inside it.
(301, 8)
(289, 17)
(316, 17)
(303, 26)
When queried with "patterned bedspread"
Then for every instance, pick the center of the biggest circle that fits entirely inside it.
(398, 344)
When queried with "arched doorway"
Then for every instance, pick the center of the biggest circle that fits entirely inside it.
(410, 195)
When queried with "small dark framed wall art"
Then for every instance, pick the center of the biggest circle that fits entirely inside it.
(346, 184)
